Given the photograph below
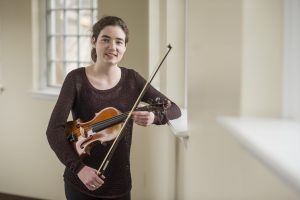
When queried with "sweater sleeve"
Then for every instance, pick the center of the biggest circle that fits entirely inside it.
(56, 127)
(151, 94)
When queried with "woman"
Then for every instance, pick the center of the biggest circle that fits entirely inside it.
(90, 89)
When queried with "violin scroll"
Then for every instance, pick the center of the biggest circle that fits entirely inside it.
(158, 105)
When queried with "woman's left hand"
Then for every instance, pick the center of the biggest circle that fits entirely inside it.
(143, 118)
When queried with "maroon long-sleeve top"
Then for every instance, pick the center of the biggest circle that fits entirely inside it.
(83, 100)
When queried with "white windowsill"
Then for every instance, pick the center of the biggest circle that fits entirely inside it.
(47, 93)
(275, 142)
(180, 126)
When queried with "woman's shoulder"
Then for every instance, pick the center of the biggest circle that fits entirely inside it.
(77, 72)
(133, 77)
(129, 72)
(74, 76)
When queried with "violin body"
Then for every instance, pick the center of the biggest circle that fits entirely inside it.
(82, 135)
(104, 127)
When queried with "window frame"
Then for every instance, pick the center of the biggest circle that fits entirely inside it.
(291, 67)
(62, 33)
(40, 51)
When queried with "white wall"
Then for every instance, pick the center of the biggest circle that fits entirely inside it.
(262, 58)
(228, 42)
(28, 167)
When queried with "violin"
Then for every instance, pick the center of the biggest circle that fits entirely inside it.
(104, 127)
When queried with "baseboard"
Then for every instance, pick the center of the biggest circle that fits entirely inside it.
(14, 197)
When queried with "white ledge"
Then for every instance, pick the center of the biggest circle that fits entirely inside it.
(47, 93)
(275, 142)
(180, 126)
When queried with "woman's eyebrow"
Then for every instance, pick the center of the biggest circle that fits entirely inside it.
(106, 36)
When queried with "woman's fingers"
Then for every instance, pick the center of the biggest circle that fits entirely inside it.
(90, 178)
(143, 118)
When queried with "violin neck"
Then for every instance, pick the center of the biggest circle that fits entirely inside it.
(114, 120)
(109, 122)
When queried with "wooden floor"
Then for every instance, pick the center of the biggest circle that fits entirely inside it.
(14, 197)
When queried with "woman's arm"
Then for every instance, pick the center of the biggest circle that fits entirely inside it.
(56, 127)
(151, 94)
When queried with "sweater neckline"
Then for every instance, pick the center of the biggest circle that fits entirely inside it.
(103, 91)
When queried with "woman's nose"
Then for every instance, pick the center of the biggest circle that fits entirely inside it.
(112, 44)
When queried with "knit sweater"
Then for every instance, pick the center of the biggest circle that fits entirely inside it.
(79, 97)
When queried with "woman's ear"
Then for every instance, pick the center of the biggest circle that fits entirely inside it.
(93, 42)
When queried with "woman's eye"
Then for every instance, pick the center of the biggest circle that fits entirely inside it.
(105, 40)
(119, 42)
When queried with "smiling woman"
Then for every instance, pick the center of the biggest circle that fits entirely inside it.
(88, 90)
(110, 46)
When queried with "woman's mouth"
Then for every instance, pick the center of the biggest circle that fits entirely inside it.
(111, 54)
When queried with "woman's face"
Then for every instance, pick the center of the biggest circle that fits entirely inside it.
(110, 45)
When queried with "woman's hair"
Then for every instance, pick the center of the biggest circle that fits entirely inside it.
(101, 24)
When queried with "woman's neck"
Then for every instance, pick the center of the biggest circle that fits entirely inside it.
(103, 77)
(100, 69)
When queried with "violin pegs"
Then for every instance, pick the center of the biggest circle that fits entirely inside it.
(167, 104)
(150, 101)
(157, 100)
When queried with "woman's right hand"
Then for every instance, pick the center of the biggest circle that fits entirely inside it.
(89, 178)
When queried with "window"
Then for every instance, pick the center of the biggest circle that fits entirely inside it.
(68, 37)
(170, 80)
(291, 73)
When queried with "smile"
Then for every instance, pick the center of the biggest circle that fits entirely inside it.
(111, 54)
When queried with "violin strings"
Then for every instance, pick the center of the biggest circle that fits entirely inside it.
(105, 123)
(110, 121)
